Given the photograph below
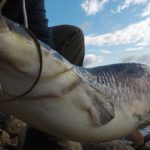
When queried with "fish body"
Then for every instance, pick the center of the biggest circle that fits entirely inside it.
(76, 103)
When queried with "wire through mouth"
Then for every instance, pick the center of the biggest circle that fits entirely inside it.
(2, 3)
(39, 72)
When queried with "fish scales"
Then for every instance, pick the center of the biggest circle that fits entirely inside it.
(76, 103)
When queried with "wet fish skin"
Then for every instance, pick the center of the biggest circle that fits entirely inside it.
(71, 102)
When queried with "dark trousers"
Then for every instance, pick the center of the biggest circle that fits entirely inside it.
(69, 42)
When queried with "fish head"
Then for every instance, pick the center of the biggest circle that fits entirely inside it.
(20, 61)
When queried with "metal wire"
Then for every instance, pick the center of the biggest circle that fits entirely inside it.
(25, 13)
(2, 2)
(39, 72)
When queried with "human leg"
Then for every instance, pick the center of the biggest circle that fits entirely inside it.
(69, 42)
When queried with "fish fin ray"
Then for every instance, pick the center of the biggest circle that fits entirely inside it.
(102, 111)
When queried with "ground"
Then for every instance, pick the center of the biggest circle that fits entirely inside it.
(13, 130)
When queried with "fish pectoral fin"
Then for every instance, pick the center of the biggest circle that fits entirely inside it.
(95, 117)
(101, 113)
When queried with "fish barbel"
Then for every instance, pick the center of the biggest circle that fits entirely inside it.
(76, 103)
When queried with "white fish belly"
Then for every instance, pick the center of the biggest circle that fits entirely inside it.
(68, 117)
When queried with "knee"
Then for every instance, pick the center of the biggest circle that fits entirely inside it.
(78, 31)
(75, 31)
